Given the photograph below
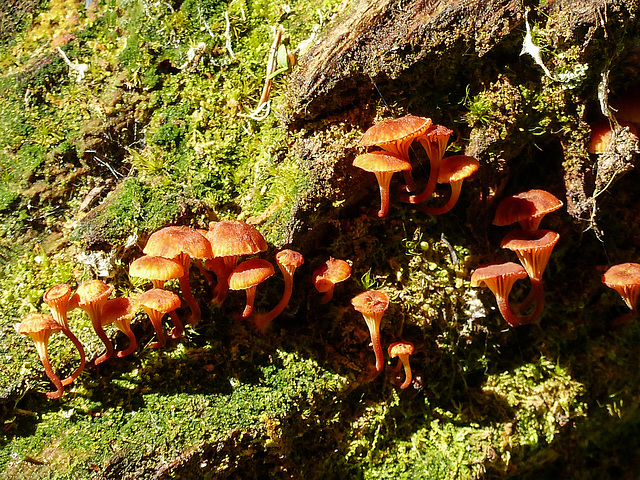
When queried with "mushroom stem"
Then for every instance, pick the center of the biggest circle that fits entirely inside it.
(44, 357)
(83, 359)
(177, 324)
(133, 343)
(262, 321)
(410, 182)
(251, 296)
(374, 330)
(429, 189)
(407, 371)
(222, 288)
(384, 180)
(456, 188)
(328, 295)
(536, 294)
(156, 320)
(94, 311)
(185, 286)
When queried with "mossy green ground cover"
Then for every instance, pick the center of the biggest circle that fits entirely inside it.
(151, 135)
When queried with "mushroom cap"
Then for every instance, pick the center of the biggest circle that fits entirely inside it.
(234, 237)
(250, 273)
(289, 258)
(527, 208)
(35, 323)
(159, 300)
(119, 309)
(329, 273)
(403, 129)
(624, 279)
(92, 291)
(401, 348)
(434, 140)
(371, 302)
(498, 277)
(533, 248)
(602, 134)
(173, 241)
(381, 162)
(151, 267)
(56, 294)
(457, 168)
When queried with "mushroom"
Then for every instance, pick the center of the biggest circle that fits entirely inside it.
(533, 248)
(372, 304)
(247, 276)
(288, 261)
(395, 135)
(40, 327)
(156, 303)
(326, 276)
(602, 133)
(434, 141)
(500, 277)
(91, 296)
(383, 166)
(527, 208)
(402, 349)
(625, 279)
(57, 299)
(453, 171)
(229, 239)
(120, 311)
(182, 244)
(156, 269)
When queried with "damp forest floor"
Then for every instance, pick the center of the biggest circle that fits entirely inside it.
(119, 117)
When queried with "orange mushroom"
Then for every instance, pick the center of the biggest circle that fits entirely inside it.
(157, 303)
(247, 276)
(288, 262)
(120, 311)
(40, 327)
(602, 133)
(326, 276)
(402, 349)
(182, 244)
(156, 269)
(625, 279)
(500, 277)
(527, 208)
(383, 166)
(372, 304)
(91, 296)
(57, 299)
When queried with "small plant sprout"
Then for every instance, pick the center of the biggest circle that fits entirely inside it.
(288, 262)
(156, 303)
(120, 311)
(453, 171)
(383, 166)
(328, 274)
(182, 244)
(247, 276)
(402, 350)
(527, 208)
(395, 135)
(57, 299)
(372, 304)
(91, 296)
(40, 327)
(500, 277)
(625, 279)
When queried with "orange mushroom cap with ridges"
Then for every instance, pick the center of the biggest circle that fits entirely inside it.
(533, 248)
(175, 241)
(499, 278)
(326, 276)
(289, 260)
(624, 279)
(434, 141)
(527, 208)
(395, 135)
(231, 238)
(250, 273)
(156, 303)
(120, 311)
(157, 269)
(456, 168)
(57, 298)
(372, 304)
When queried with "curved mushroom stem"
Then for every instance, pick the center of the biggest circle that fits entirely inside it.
(223, 279)
(251, 296)
(515, 320)
(536, 294)
(429, 189)
(156, 320)
(133, 343)
(83, 359)
(384, 180)
(410, 182)
(456, 188)
(196, 314)
(44, 358)
(407, 371)
(374, 330)
(177, 324)
(328, 295)
(102, 335)
(262, 321)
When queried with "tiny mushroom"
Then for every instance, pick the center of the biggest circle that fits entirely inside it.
(120, 311)
(156, 269)
(500, 277)
(625, 279)
(383, 166)
(247, 276)
(326, 276)
(57, 299)
(156, 303)
(230, 239)
(39, 327)
(395, 135)
(527, 208)
(602, 134)
(402, 349)
(91, 296)
(372, 304)
(453, 171)
(288, 262)
(533, 248)
(181, 243)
